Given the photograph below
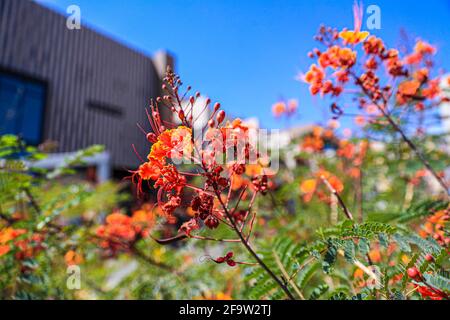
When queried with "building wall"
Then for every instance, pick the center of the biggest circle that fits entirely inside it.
(97, 87)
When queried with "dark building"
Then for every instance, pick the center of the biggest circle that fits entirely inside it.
(75, 87)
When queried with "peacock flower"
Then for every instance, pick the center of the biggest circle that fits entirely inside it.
(355, 36)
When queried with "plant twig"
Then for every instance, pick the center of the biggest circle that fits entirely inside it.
(338, 197)
(286, 275)
(399, 130)
(249, 248)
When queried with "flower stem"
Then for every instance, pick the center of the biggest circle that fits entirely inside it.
(399, 130)
(249, 248)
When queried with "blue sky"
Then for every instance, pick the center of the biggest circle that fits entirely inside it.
(246, 53)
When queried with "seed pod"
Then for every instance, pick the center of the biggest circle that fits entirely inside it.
(191, 100)
(216, 106)
(211, 123)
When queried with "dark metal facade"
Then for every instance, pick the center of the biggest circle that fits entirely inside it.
(97, 87)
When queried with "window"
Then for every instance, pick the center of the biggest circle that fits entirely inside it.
(21, 107)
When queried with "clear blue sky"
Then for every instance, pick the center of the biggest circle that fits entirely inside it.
(246, 53)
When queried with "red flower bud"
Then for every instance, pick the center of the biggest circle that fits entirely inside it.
(181, 115)
(231, 263)
(413, 273)
(220, 116)
(151, 137)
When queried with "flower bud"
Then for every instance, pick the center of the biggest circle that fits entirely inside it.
(181, 115)
(151, 137)
(220, 116)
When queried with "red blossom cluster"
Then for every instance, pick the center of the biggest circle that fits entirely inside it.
(281, 108)
(120, 231)
(435, 227)
(221, 155)
(425, 289)
(317, 139)
(26, 246)
(310, 187)
(364, 68)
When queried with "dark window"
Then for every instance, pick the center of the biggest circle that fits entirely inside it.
(21, 107)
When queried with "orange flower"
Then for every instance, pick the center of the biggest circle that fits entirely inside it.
(336, 184)
(346, 149)
(432, 90)
(279, 109)
(308, 186)
(423, 48)
(9, 234)
(73, 258)
(312, 144)
(375, 255)
(353, 37)
(314, 77)
(149, 170)
(336, 57)
(360, 120)
(4, 249)
(407, 90)
(173, 144)
(374, 45)
(356, 36)
(413, 58)
(354, 172)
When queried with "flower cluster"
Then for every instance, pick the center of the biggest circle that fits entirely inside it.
(224, 168)
(435, 227)
(120, 231)
(310, 187)
(425, 289)
(359, 62)
(317, 140)
(26, 246)
(288, 108)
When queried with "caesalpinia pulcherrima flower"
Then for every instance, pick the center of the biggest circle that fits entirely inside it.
(120, 232)
(310, 187)
(178, 143)
(213, 193)
(363, 68)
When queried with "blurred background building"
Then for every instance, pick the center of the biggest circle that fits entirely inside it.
(74, 88)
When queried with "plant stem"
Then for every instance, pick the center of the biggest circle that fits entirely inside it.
(399, 130)
(286, 275)
(413, 147)
(249, 248)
